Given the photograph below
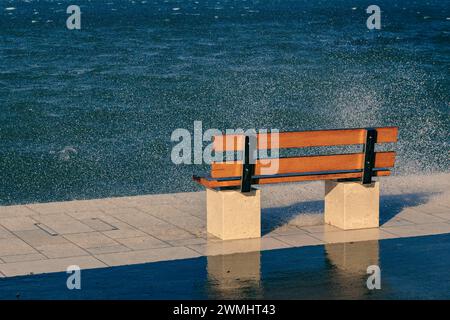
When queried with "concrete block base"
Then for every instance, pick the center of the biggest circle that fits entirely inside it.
(353, 257)
(351, 205)
(233, 215)
(233, 272)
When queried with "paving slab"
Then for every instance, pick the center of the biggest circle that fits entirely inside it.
(287, 229)
(18, 223)
(15, 211)
(38, 238)
(24, 257)
(4, 234)
(418, 217)
(443, 200)
(141, 243)
(14, 246)
(108, 249)
(186, 242)
(168, 232)
(62, 223)
(94, 213)
(354, 235)
(419, 229)
(445, 215)
(238, 246)
(432, 208)
(67, 206)
(150, 255)
(320, 228)
(91, 240)
(124, 232)
(64, 250)
(47, 237)
(189, 223)
(300, 240)
(49, 265)
(135, 217)
(397, 222)
(194, 209)
(163, 211)
(98, 224)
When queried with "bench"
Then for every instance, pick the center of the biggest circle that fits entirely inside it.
(351, 195)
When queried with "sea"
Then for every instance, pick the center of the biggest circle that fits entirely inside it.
(89, 113)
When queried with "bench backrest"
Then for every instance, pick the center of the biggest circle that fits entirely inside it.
(361, 165)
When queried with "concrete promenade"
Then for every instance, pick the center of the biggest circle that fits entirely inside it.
(49, 237)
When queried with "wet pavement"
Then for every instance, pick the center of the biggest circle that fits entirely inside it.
(48, 237)
(411, 268)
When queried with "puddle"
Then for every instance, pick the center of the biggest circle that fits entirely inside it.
(334, 271)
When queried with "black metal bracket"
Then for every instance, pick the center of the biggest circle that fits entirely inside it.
(248, 167)
(369, 155)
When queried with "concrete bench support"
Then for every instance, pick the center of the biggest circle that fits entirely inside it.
(351, 205)
(233, 215)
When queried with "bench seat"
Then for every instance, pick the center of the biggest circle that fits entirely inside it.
(213, 183)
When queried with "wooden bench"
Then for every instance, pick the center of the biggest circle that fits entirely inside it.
(351, 197)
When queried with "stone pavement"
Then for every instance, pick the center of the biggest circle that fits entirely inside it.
(49, 237)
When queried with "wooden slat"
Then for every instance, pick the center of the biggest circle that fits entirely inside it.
(273, 180)
(301, 139)
(336, 162)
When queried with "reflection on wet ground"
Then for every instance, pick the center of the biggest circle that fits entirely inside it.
(411, 268)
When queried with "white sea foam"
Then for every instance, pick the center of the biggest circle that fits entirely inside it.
(67, 153)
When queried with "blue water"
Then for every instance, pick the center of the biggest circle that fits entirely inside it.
(411, 268)
(89, 113)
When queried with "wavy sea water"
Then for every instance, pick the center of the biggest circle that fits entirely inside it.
(89, 113)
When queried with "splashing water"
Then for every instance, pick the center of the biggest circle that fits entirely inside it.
(120, 87)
